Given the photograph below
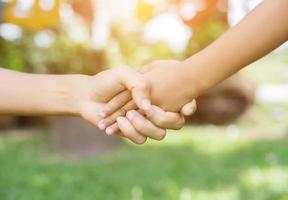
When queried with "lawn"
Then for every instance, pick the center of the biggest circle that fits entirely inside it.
(245, 160)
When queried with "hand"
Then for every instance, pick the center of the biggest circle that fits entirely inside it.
(117, 104)
(37, 94)
(164, 76)
(90, 94)
(138, 127)
(170, 88)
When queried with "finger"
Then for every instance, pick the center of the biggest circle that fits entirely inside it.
(144, 126)
(189, 108)
(167, 120)
(117, 102)
(112, 129)
(139, 87)
(129, 131)
(104, 123)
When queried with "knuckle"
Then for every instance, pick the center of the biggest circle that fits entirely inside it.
(162, 122)
(109, 107)
(122, 111)
(116, 103)
(144, 85)
(130, 105)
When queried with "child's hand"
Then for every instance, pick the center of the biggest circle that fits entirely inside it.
(170, 88)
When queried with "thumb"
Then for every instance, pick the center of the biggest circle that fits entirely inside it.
(139, 87)
(189, 108)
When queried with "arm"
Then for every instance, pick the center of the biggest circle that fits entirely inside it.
(263, 30)
(80, 95)
(260, 32)
(29, 94)
(176, 83)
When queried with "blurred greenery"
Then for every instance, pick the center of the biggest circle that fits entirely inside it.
(133, 50)
(245, 160)
(204, 35)
(63, 56)
(203, 167)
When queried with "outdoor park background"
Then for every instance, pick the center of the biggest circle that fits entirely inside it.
(243, 159)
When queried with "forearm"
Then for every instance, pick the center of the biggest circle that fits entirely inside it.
(263, 30)
(29, 94)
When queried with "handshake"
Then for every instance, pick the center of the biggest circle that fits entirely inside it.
(136, 105)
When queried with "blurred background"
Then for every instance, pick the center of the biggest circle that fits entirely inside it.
(233, 148)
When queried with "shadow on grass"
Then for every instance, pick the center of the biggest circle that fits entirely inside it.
(159, 172)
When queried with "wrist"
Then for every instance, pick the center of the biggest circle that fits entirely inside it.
(71, 93)
(192, 75)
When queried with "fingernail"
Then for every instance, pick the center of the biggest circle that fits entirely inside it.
(146, 104)
(102, 114)
(101, 125)
(120, 119)
(109, 131)
(130, 115)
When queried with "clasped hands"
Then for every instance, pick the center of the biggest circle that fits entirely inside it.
(135, 105)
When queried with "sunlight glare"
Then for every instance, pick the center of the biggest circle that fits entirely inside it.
(168, 27)
(10, 31)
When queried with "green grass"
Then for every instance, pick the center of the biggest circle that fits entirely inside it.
(193, 167)
(197, 163)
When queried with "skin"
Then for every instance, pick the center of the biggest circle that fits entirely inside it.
(31, 94)
(176, 83)
(171, 100)
(80, 95)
